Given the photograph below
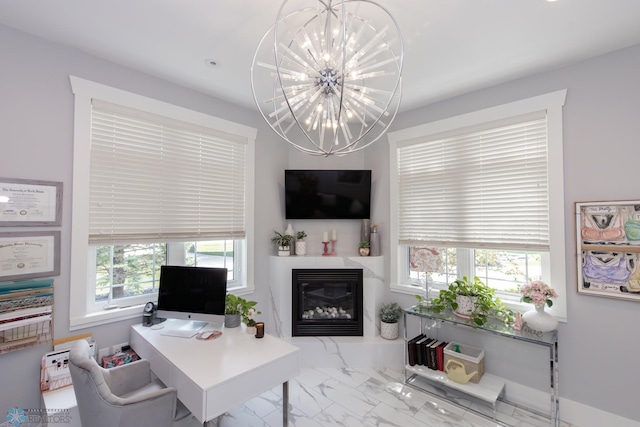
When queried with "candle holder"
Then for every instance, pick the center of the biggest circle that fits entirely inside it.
(333, 247)
(259, 329)
(326, 249)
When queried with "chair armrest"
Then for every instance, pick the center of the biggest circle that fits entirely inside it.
(154, 409)
(126, 378)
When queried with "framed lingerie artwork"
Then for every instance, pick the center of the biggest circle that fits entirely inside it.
(608, 249)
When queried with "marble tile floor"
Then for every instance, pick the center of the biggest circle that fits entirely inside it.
(364, 398)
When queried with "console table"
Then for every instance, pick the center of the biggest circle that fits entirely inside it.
(216, 375)
(491, 387)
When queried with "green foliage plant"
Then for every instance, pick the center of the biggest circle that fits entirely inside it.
(283, 240)
(390, 313)
(485, 302)
(238, 305)
(300, 235)
(364, 244)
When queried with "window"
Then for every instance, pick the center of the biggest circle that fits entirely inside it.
(473, 198)
(154, 184)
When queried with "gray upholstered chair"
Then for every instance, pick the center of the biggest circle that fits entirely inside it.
(124, 396)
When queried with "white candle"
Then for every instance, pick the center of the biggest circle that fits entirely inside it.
(325, 236)
(334, 235)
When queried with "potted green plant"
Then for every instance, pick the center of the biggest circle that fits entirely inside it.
(237, 310)
(283, 241)
(389, 315)
(301, 245)
(364, 248)
(472, 300)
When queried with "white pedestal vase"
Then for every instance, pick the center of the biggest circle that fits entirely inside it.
(540, 320)
(389, 330)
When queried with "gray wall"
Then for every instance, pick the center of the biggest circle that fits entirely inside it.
(36, 141)
(599, 344)
(601, 127)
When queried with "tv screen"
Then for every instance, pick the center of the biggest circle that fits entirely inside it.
(192, 293)
(327, 194)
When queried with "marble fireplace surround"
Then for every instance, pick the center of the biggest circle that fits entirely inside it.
(370, 350)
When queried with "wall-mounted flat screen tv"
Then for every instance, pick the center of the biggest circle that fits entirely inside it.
(327, 194)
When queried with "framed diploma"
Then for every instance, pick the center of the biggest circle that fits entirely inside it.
(25, 202)
(29, 255)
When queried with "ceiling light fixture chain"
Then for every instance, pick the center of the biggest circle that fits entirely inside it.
(326, 78)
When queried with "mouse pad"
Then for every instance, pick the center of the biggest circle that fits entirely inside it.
(216, 333)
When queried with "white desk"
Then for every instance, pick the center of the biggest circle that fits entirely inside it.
(216, 375)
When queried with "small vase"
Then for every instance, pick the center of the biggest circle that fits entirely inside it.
(289, 232)
(251, 330)
(374, 242)
(301, 248)
(365, 231)
(363, 251)
(389, 330)
(540, 320)
(231, 320)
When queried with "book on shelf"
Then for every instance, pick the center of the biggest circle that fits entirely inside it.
(412, 351)
(420, 350)
(426, 353)
(433, 361)
(440, 356)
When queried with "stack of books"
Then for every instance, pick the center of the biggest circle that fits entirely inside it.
(426, 351)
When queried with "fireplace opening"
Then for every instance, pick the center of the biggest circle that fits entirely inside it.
(327, 302)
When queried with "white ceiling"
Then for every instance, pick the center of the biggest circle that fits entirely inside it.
(451, 46)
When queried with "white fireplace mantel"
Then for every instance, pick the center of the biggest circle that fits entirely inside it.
(370, 350)
(281, 288)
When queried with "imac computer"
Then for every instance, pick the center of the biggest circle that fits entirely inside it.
(195, 294)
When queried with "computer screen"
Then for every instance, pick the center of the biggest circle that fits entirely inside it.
(192, 293)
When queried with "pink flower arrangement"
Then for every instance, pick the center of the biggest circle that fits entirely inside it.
(538, 293)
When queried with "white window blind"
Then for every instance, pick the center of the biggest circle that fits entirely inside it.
(477, 187)
(155, 179)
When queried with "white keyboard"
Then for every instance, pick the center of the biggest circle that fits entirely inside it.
(181, 333)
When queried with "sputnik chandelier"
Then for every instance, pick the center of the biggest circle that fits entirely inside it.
(327, 75)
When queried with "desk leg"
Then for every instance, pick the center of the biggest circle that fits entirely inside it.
(285, 403)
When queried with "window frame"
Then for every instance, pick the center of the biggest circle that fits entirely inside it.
(80, 315)
(552, 103)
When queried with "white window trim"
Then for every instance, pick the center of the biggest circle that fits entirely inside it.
(552, 103)
(84, 91)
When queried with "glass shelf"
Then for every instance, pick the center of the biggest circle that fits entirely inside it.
(493, 326)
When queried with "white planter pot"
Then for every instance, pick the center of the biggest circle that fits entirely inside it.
(284, 251)
(389, 330)
(466, 304)
(301, 248)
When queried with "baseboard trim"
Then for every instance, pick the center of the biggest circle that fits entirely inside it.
(571, 412)
(581, 415)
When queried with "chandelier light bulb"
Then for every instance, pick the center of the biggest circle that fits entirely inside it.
(338, 67)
